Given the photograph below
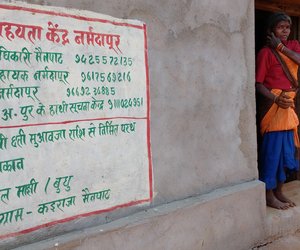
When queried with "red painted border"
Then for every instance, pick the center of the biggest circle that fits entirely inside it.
(53, 13)
(132, 203)
(29, 230)
(148, 114)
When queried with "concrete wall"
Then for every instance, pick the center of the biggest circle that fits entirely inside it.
(201, 62)
(203, 135)
(221, 220)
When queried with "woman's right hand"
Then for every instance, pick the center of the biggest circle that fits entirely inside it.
(273, 41)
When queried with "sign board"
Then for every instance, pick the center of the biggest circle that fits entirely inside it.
(74, 116)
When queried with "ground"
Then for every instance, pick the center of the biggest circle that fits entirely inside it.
(283, 226)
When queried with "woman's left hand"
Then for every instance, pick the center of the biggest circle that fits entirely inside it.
(273, 41)
(284, 101)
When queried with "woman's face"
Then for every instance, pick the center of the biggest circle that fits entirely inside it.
(282, 30)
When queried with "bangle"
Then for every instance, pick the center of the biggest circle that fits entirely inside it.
(280, 47)
(275, 98)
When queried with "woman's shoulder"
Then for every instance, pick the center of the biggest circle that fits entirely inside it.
(293, 45)
(264, 50)
(265, 54)
(292, 41)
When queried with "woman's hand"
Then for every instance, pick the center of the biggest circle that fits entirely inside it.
(284, 101)
(273, 41)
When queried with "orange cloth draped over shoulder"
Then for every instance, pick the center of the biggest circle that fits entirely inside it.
(279, 119)
(292, 66)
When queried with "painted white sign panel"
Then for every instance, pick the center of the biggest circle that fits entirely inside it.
(74, 116)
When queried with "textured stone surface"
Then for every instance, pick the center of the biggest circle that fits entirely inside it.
(282, 226)
(201, 64)
(222, 219)
(290, 242)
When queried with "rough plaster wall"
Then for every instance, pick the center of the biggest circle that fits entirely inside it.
(201, 62)
(189, 224)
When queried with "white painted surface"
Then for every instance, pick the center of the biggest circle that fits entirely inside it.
(82, 155)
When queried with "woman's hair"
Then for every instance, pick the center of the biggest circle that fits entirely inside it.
(275, 18)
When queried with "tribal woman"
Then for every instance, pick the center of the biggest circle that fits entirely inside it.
(276, 86)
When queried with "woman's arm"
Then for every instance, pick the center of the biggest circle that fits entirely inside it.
(283, 101)
(261, 89)
(275, 41)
